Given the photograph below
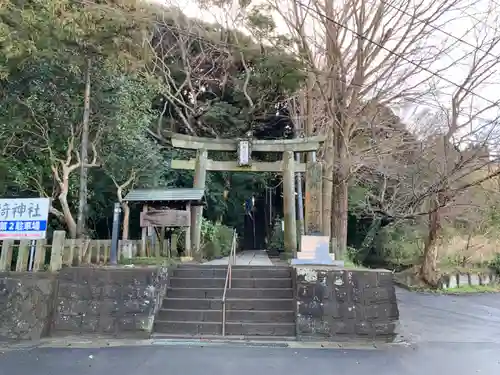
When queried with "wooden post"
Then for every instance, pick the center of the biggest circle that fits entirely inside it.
(39, 255)
(119, 251)
(128, 249)
(187, 237)
(300, 200)
(173, 246)
(87, 249)
(98, 247)
(23, 254)
(78, 252)
(150, 242)
(156, 243)
(107, 251)
(6, 256)
(68, 254)
(200, 175)
(166, 249)
(289, 203)
(163, 248)
(144, 235)
(57, 250)
(314, 197)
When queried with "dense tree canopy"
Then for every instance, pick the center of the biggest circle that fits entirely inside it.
(151, 70)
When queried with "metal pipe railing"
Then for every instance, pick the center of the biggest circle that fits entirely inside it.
(228, 284)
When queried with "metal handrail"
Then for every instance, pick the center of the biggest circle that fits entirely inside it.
(227, 284)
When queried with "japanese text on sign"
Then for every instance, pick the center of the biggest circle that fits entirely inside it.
(23, 218)
(243, 153)
(11, 226)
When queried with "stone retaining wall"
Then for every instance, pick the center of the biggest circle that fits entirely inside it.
(120, 302)
(332, 303)
(343, 304)
(108, 301)
(26, 305)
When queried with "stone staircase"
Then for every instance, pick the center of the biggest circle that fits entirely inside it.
(260, 302)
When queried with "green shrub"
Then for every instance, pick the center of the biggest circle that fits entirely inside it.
(277, 242)
(210, 251)
(216, 239)
(495, 264)
(224, 238)
(399, 245)
(352, 255)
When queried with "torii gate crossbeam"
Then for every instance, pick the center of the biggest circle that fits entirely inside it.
(288, 167)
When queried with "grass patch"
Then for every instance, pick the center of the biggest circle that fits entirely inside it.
(473, 289)
(469, 289)
(148, 261)
(447, 268)
(350, 264)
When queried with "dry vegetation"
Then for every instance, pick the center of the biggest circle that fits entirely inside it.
(366, 55)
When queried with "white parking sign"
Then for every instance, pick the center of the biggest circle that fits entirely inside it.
(24, 218)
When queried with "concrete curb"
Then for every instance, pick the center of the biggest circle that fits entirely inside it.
(79, 342)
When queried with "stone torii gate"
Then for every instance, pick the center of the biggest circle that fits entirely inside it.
(243, 163)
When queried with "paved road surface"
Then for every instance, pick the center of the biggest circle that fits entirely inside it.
(449, 335)
(430, 360)
(450, 319)
(246, 258)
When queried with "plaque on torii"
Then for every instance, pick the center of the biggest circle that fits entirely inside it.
(244, 152)
(243, 147)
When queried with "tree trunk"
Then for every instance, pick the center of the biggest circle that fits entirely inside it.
(126, 220)
(327, 184)
(370, 236)
(68, 216)
(63, 200)
(340, 213)
(340, 193)
(428, 271)
(82, 207)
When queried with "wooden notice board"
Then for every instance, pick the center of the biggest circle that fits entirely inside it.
(166, 218)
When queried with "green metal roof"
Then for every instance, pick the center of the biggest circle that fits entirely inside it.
(164, 195)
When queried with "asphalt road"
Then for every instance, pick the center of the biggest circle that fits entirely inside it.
(447, 335)
(432, 318)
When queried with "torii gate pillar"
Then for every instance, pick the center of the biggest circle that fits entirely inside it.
(200, 177)
(289, 211)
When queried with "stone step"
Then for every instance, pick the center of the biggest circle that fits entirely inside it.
(251, 293)
(272, 283)
(212, 328)
(187, 328)
(237, 273)
(232, 304)
(179, 337)
(253, 316)
(224, 266)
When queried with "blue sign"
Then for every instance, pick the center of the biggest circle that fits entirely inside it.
(24, 218)
(248, 206)
(16, 226)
